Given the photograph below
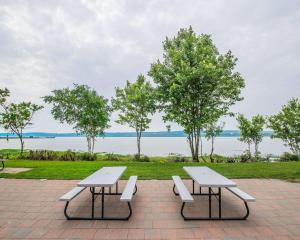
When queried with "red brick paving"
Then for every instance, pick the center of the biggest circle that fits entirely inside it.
(29, 209)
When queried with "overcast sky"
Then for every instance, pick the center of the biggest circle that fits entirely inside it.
(45, 45)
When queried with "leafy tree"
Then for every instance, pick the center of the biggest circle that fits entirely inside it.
(251, 131)
(83, 108)
(16, 116)
(286, 125)
(195, 83)
(135, 103)
(213, 130)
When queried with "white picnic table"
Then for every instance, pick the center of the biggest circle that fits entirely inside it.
(208, 178)
(104, 177)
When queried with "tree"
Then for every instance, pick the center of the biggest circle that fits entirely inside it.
(286, 125)
(16, 116)
(83, 108)
(213, 130)
(251, 131)
(195, 83)
(135, 103)
(258, 123)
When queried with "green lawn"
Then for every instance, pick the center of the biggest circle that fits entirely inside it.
(155, 170)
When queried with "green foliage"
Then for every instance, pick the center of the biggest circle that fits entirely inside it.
(56, 155)
(135, 103)
(212, 130)
(177, 158)
(286, 157)
(286, 125)
(195, 83)
(251, 131)
(83, 108)
(15, 117)
(112, 157)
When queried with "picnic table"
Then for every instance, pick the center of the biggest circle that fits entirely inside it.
(104, 178)
(208, 178)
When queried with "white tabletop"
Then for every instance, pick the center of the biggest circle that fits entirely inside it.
(207, 177)
(105, 177)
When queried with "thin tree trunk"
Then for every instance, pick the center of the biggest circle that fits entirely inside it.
(89, 143)
(93, 144)
(212, 150)
(138, 139)
(256, 149)
(193, 139)
(22, 145)
(249, 149)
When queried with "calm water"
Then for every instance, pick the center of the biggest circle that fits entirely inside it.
(152, 146)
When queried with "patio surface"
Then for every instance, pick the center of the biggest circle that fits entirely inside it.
(29, 209)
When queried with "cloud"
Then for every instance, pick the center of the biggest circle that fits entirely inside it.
(46, 45)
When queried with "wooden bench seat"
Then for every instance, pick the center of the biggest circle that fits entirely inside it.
(242, 195)
(129, 189)
(182, 190)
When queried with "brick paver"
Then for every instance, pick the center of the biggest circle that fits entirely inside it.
(29, 209)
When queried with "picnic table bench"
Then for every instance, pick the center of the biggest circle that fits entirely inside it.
(206, 177)
(105, 177)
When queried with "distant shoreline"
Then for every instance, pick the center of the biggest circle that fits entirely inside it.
(38, 135)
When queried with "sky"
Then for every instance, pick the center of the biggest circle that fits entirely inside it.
(47, 45)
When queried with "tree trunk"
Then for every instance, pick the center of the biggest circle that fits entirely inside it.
(193, 139)
(138, 140)
(249, 149)
(22, 145)
(256, 149)
(93, 144)
(212, 150)
(89, 143)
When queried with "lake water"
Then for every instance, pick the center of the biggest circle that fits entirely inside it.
(151, 146)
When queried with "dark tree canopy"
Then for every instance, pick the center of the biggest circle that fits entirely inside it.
(195, 83)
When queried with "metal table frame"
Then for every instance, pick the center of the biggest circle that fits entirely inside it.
(102, 193)
(211, 193)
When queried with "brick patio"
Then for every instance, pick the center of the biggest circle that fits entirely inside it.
(29, 209)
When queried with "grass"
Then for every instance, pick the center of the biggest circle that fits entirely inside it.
(151, 170)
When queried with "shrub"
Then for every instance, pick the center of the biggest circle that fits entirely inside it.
(41, 155)
(68, 156)
(285, 157)
(173, 157)
(246, 156)
(87, 156)
(112, 157)
(141, 158)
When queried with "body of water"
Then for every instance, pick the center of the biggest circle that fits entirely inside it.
(151, 146)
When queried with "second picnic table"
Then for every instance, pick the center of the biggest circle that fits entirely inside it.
(208, 178)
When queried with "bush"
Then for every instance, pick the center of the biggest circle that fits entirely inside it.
(41, 155)
(173, 157)
(224, 159)
(286, 157)
(87, 156)
(246, 156)
(112, 157)
(141, 158)
(68, 156)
